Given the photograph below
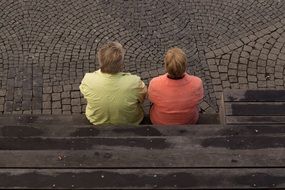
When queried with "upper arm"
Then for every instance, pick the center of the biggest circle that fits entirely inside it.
(142, 91)
(151, 91)
(84, 87)
(200, 90)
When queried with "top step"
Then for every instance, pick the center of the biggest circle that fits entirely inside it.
(76, 119)
(71, 120)
(265, 95)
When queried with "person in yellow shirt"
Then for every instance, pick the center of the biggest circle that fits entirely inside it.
(113, 96)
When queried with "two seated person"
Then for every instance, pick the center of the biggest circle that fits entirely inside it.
(116, 97)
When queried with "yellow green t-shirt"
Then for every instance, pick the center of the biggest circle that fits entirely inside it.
(113, 98)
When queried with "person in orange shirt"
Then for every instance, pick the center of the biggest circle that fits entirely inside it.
(175, 95)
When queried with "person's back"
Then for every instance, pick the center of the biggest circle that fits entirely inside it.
(176, 94)
(113, 97)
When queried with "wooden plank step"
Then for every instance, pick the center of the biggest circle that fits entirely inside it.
(205, 178)
(151, 130)
(161, 143)
(256, 109)
(75, 119)
(261, 120)
(71, 120)
(224, 151)
(265, 95)
(113, 158)
(111, 131)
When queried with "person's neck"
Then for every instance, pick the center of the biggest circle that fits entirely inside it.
(175, 78)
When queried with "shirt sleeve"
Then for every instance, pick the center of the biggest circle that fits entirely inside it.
(84, 89)
(200, 92)
(142, 91)
(150, 92)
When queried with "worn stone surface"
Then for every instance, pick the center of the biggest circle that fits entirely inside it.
(46, 47)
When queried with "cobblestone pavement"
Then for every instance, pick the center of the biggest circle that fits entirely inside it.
(46, 46)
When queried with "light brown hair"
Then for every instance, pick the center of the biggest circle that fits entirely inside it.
(110, 57)
(175, 62)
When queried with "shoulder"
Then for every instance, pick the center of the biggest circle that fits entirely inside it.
(195, 79)
(195, 83)
(157, 79)
(92, 74)
(93, 77)
(87, 77)
(129, 78)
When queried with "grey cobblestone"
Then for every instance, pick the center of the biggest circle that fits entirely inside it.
(233, 65)
(279, 82)
(65, 95)
(223, 69)
(75, 102)
(76, 109)
(65, 101)
(215, 75)
(46, 105)
(55, 97)
(226, 84)
(252, 78)
(56, 105)
(2, 93)
(66, 107)
(232, 72)
(56, 111)
(57, 88)
(75, 94)
(224, 76)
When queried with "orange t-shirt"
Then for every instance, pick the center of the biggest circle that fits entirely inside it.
(175, 101)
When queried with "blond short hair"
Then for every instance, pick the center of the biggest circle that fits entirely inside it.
(110, 57)
(175, 62)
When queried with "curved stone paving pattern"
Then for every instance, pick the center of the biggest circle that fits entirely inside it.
(47, 46)
(255, 61)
